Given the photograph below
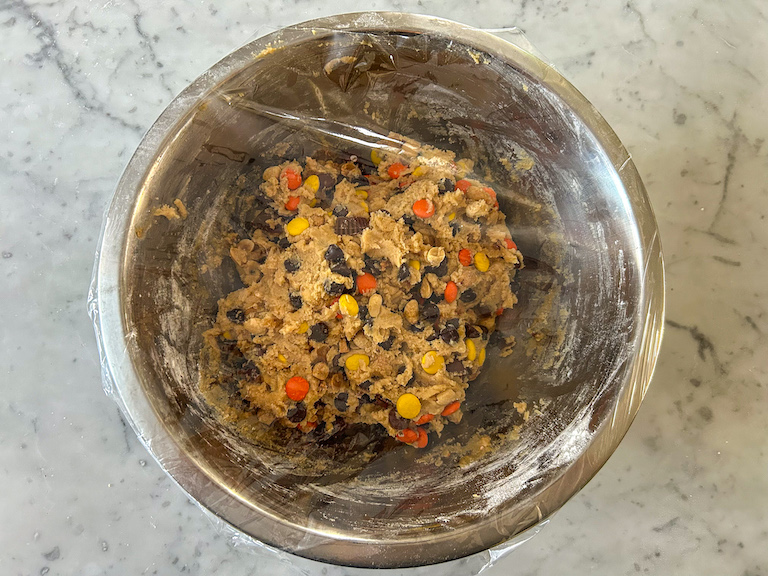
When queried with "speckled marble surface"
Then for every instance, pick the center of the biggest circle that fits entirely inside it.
(683, 84)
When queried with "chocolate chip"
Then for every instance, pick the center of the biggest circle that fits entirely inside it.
(396, 421)
(258, 350)
(429, 312)
(404, 272)
(236, 315)
(381, 402)
(340, 402)
(439, 270)
(296, 301)
(483, 330)
(453, 323)
(291, 265)
(409, 220)
(249, 371)
(364, 314)
(350, 226)
(400, 370)
(455, 367)
(334, 288)
(334, 254)
(372, 265)
(327, 181)
(365, 399)
(360, 181)
(283, 243)
(340, 211)
(387, 344)
(336, 367)
(319, 332)
(446, 185)
(366, 385)
(472, 331)
(297, 413)
(341, 269)
(449, 335)
(455, 226)
(468, 295)
(431, 337)
(414, 328)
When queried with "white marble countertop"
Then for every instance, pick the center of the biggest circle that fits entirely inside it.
(682, 83)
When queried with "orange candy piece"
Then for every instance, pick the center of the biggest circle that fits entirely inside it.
(293, 178)
(365, 283)
(307, 426)
(424, 208)
(451, 408)
(292, 203)
(296, 388)
(465, 257)
(422, 441)
(491, 192)
(395, 170)
(463, 185)
(424, 419)
(510, 244)
(451, 291)
(407, 436)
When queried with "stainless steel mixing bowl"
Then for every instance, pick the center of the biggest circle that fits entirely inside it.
(588, 324)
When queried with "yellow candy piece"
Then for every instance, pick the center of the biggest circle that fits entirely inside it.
(362, 194)
(408, 406)
(356, 361)
(312, 183)
(481, 262)
(348, 305)
(375, 157)
(313, 203)
(282, 358)
(481, 357)
(451, 216)
(297, 226)
(415, 264)
(471, 350)
(420, 171)
(432, 362)
(303, 327)
(365, 205)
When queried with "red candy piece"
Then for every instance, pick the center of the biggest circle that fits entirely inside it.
(451, 291)
(293, 179)
(463, 185)
(365, 283)
(296, 388)
(395, 170)
(292, 203)
(424, 208)
(422, 441)
(451, 408)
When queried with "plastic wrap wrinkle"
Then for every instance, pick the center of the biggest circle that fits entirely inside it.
(587, 328)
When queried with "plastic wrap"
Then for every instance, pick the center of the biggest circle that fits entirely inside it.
(588, 322)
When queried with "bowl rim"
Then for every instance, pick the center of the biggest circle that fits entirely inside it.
(121, 379)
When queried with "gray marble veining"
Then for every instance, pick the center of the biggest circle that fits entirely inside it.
(683, 84)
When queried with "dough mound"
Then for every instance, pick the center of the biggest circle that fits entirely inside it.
(370, 292)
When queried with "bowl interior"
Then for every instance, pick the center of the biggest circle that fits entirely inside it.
(581, 294)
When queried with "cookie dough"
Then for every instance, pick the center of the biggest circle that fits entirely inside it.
(371, 290)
